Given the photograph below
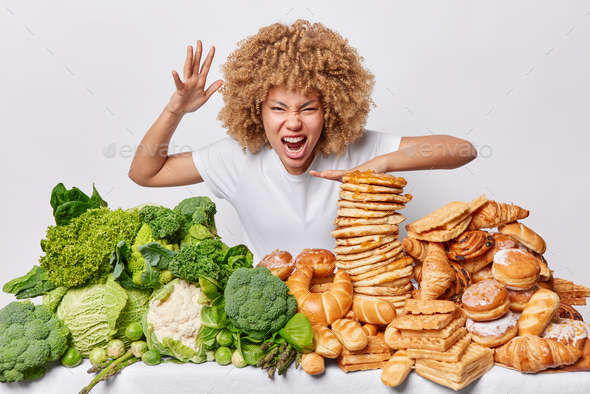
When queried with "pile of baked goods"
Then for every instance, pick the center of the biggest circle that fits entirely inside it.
(368, 246)
(481, 297)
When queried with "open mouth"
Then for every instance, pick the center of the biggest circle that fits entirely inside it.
(294, 146)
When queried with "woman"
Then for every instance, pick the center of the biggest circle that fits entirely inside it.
(296, 101)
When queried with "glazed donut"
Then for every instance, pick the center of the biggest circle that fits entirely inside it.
(516, 269)
(322, 260)
(321, 308)
(519, 299)
(493, 333)
(279, 262)
(485, 300)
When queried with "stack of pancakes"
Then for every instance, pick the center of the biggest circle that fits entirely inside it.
(367, 233)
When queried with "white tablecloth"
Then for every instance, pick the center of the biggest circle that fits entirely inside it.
(211, 378)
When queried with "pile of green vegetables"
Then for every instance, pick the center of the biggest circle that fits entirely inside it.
(103, 269)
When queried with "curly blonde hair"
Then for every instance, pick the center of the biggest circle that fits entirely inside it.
(303, 57)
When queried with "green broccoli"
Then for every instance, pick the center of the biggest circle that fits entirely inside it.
(199, 210)
(165, 223)
(257, 302)
(203, 260)
(30, 336)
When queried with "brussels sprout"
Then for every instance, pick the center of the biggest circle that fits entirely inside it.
(223, 355)
(224, 338)
(238, 360)
(151, 357)
(71, 358)
(138, 348)
(98, 355)
(134, 331)
(115, 348)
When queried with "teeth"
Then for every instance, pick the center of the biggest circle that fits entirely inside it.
(293, 139)
(295, 151)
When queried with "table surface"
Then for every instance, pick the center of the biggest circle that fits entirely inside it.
(211, 378)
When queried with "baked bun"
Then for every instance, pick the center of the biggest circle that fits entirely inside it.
(516, 269)
(494, 332)
(322, 260)
(483, 274)
(538, 312)
(279, 262)
(525, 236)
(519, 299)
(486, 300)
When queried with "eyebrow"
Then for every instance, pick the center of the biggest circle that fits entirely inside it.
(301, 106)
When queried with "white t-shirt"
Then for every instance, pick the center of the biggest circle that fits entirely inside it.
(278, 210)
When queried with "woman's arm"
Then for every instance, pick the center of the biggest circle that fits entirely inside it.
(151, 165)
(415, 153)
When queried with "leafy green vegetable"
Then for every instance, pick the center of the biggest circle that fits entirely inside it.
(251, 351)
(298, 333)
(257, 302)
(79, 252)
(30, 335)
(196, 234)
(156, 255)
(32, 284)
(237, 257)
(52, 299)
(69, 204)
(91, 314)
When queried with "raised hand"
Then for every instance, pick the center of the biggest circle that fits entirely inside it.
(191, 94)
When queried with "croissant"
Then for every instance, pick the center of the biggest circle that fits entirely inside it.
(531, 354)
(415, 248)
(493, 214)
(437, 274)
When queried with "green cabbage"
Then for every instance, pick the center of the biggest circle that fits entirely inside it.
(138, 302)
(91, 313)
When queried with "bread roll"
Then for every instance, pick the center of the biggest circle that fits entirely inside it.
(322, 260)
(313, 363)
(326, 343)
(538, 312)
(397, 369)
(280, 263)
(525, 236)
(370, 329)
(372, 310)
(350, 334)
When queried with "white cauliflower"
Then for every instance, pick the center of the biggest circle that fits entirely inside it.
(178, 316)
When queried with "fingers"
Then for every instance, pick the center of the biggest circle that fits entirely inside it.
(197, 59)
(177, 81)
(188, 63)
(213, 88)
(208, 61)
(332, 175)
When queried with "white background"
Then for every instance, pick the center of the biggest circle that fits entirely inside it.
(511, 77)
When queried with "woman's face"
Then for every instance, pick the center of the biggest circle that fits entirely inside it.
(293, 124)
